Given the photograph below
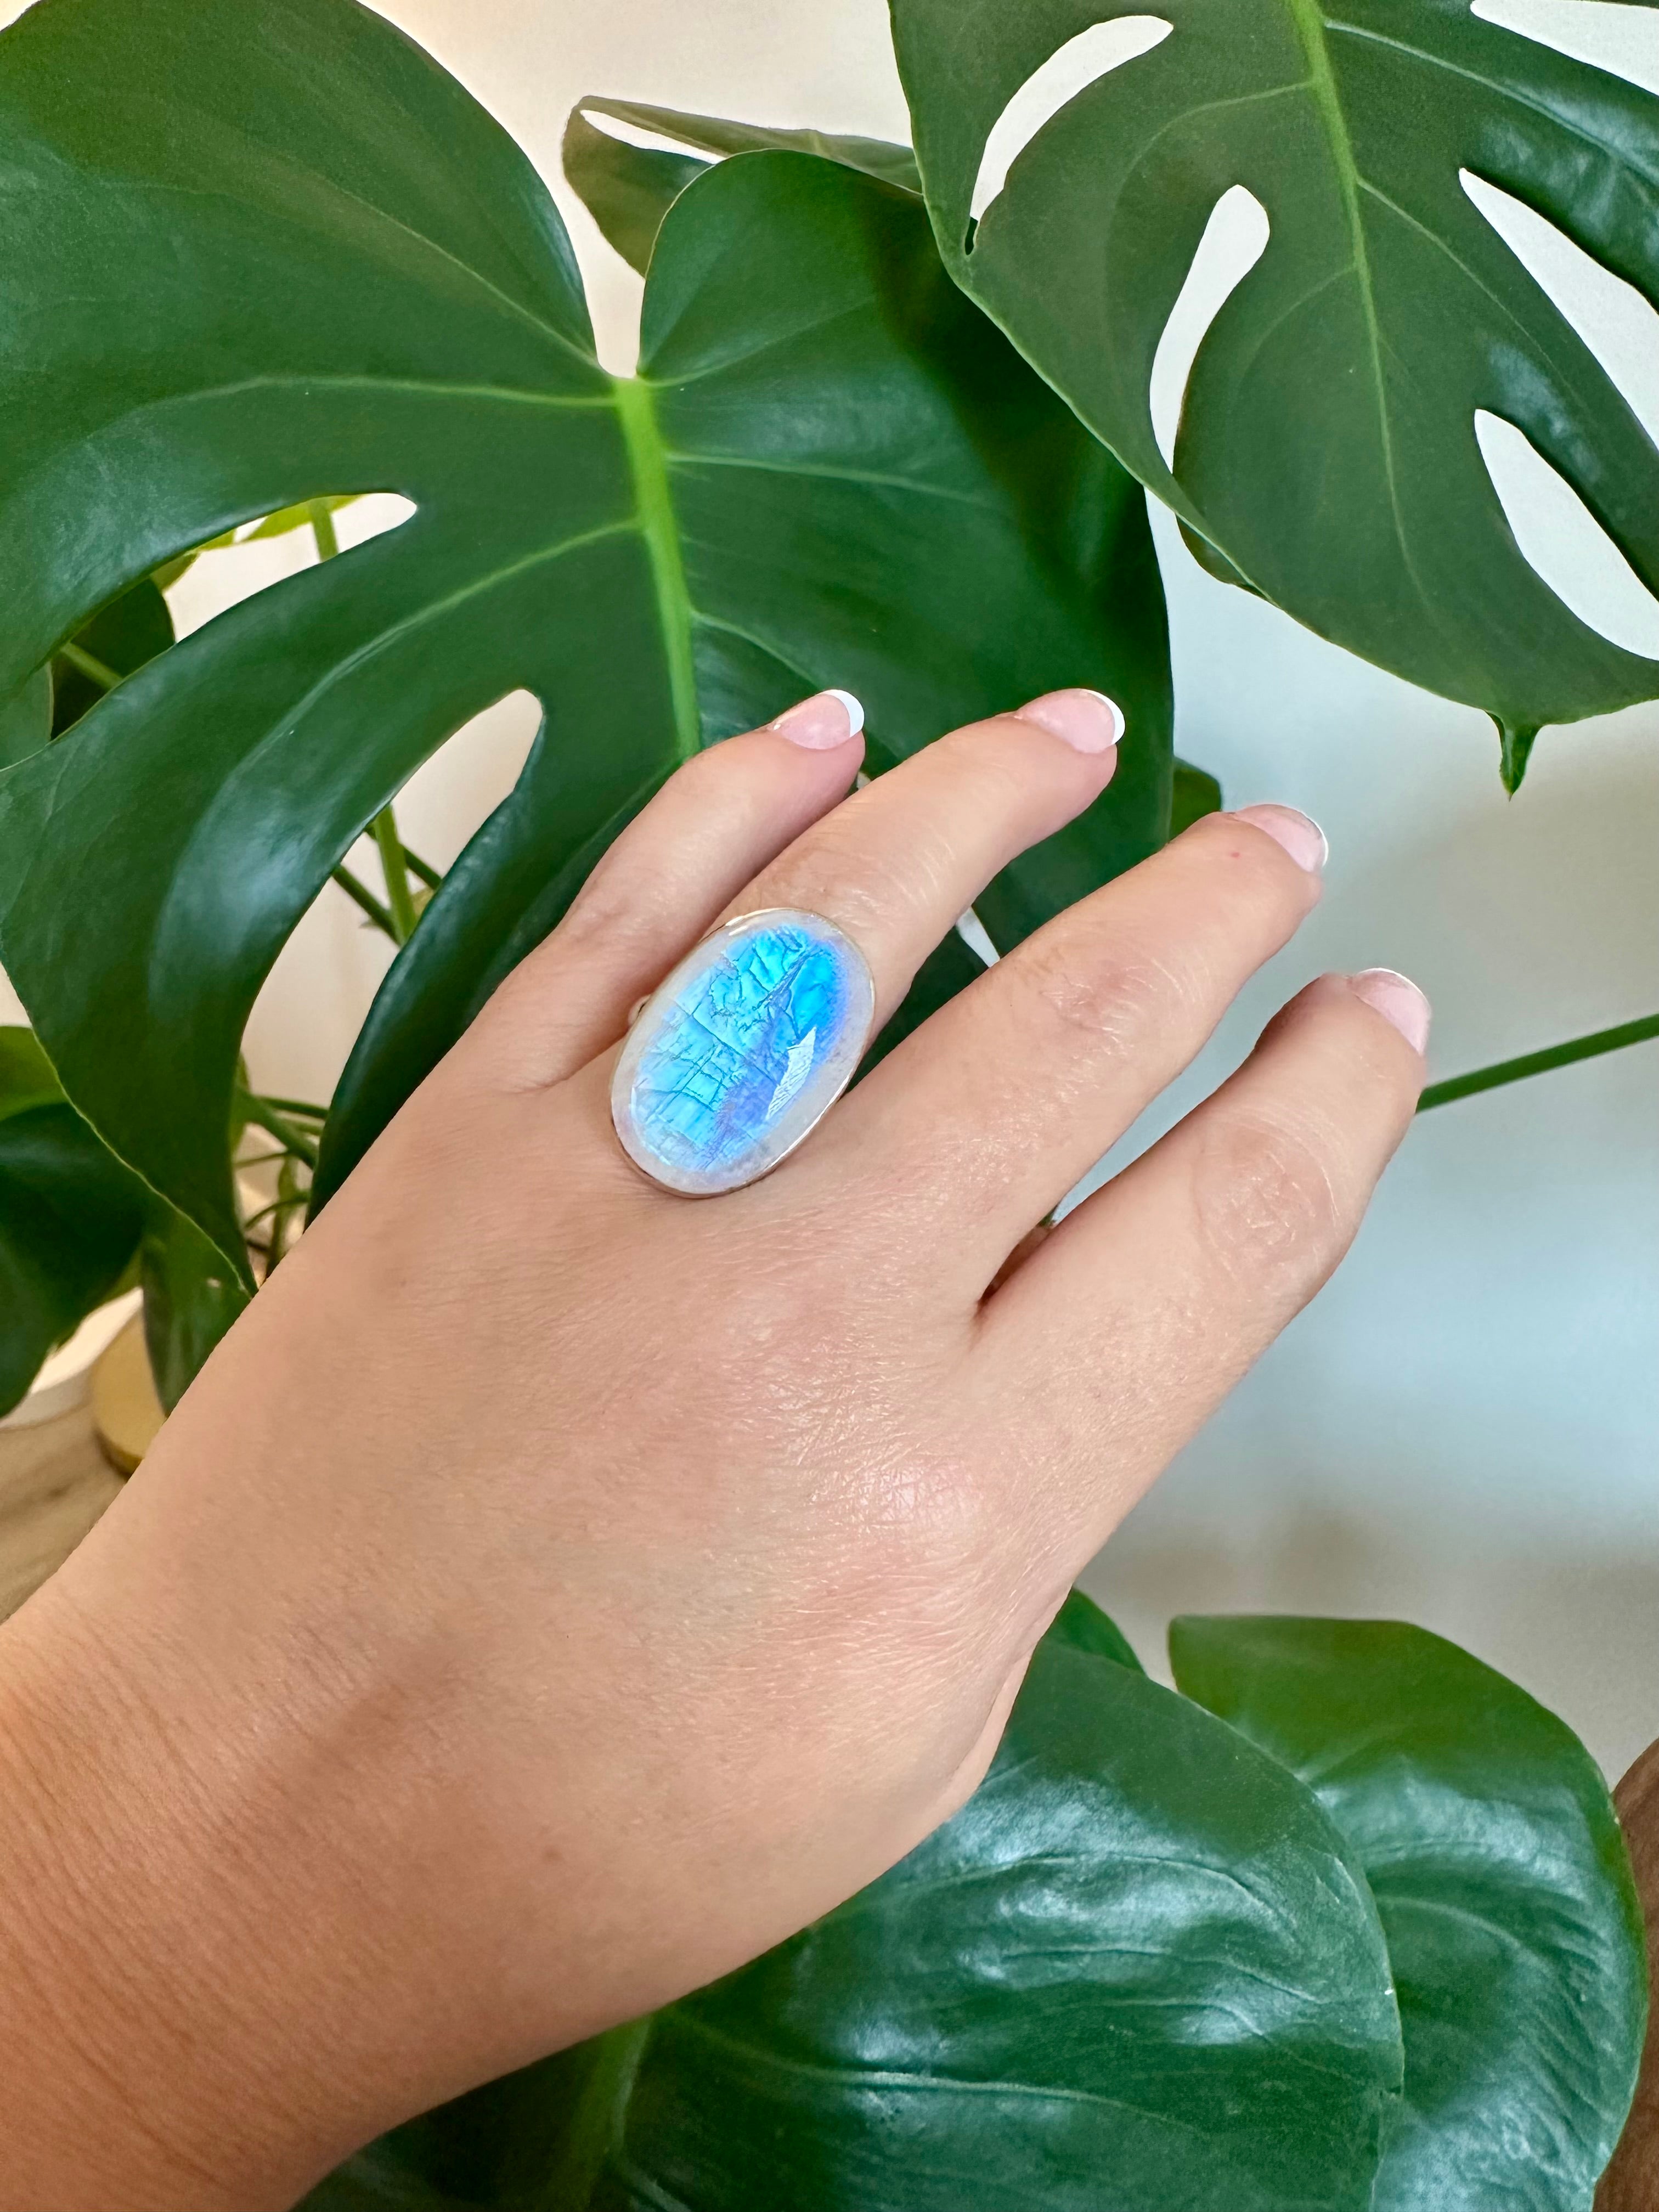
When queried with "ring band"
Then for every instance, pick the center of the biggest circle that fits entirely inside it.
(743, 1049)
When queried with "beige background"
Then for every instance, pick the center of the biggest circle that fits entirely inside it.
(1461, 1430)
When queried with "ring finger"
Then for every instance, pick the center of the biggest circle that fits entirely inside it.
(751, 1038)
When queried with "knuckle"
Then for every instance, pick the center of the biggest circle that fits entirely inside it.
(1116, 996)
(1267, 1205)
(864, 886)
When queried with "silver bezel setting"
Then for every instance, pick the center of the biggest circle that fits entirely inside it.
(793, 1130)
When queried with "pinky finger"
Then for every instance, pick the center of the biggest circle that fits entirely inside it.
(1138, 1314)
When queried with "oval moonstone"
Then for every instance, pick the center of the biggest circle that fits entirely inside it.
(754, 1035)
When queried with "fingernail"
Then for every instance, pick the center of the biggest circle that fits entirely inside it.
(827, 718)
(1299, 833)
(1089, 721)
(1398, 1000)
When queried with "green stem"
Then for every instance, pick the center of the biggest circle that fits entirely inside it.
(395, 868)
(289, 1198)
(424, 869)
(89, 665)
(377, 913)
(263, 1116)
(304, 1107)
(647, 460)
(322, 529)
(1540, 1063)
(397, 916)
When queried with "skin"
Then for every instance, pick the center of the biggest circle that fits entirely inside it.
(554, 1592)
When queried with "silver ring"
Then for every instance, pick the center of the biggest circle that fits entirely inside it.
(741, 1053)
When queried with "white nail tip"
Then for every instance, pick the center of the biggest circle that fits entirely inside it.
(854, 709)
(1117, 713)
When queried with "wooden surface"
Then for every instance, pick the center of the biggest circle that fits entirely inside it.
(54, 1483)
(1631, 2183)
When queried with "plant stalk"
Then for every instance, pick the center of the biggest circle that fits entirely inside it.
(395, 867)
(397, 916)
(263, 1116)
(378, 912)
(322, 529)
(89, 665)
(289, 1200)
(1539, 1063)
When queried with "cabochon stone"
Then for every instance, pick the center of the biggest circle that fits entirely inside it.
(752, 1037)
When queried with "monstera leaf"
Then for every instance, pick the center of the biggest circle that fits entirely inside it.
(1138, 1973)
(69, 1215)
(1081, 1623)
(1196, 793)
(1490, 1842)
(120, 639)
(1328, 445)
(26, 718)
(628, 189)
(253, 256)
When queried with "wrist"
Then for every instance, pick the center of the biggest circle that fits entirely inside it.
(139, 2062)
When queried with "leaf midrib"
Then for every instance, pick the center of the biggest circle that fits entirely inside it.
(648, 461)
(1311, 29)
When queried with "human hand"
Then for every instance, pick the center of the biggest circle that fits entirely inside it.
(555, 1591)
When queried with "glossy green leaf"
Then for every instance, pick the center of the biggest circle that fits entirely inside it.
(190, 1298)
(69, 1215)
(120, 638)
(1489, 1839)
(1328, 443)
(628, 189)
(26, 719)
(258, 255)
(510, 887)
(1081, 1623)
(1139, 1973)
(1196, 793)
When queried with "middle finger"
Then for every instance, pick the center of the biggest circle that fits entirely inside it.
(981, 1122)
(894, 865)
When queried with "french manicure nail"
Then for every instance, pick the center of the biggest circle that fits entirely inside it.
(827, 718)
(1299, 833)
(1089, 721)
(1398, 1000)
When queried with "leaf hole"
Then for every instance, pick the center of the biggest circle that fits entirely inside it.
(1615, 322)
(1070, 69)
(1609, 34)
(647, 142)
(1235, 239)
(314, 1000)
(141, 622)
(455, 789)
(1563, 543)
(259, 554)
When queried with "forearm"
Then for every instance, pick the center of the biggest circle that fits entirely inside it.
(168, 2034)
(110, 2048)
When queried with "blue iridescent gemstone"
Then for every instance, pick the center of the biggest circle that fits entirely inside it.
(754, 1035)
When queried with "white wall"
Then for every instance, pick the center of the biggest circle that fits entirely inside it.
(1462, 1429)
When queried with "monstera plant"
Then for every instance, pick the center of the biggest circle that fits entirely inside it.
(1345, 1921)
